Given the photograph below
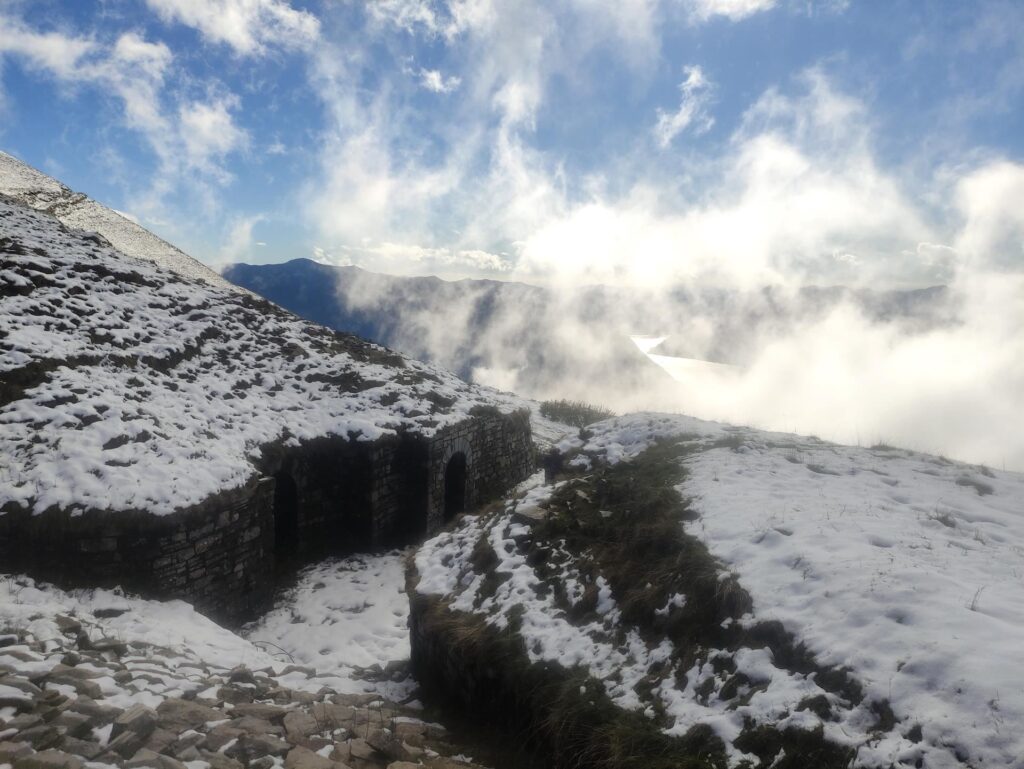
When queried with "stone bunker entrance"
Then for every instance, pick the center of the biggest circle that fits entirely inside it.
(455, 486)
(332, 495)
(286, 517)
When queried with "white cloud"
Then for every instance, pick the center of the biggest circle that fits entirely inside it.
(991, 201)
(49, 51)
(208, 133)
(239, 241)
(433, 80)
(696, 92)
(734, 10)
(247, 26)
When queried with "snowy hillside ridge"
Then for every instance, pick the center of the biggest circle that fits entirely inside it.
(127, 386)
(33, 188)
(871, 597)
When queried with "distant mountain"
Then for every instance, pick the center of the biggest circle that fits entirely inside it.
(543, 342)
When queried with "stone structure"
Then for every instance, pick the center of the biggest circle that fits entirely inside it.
(328, 496)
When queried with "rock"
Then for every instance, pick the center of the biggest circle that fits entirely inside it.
(74, 672)
(220, 736)
(99, 715)
(41, 737)
(359, 748)
(48, 759)
(189, 739)
(307, 671)
(12, 750)
(17, 699)
(75, 724)
(219, 760)
(150, 758)
(241, 675)
(24, 721)
(126, 744)
(81, 685)
(256, 745)
(281, 694)
(109, 645)
(84, 748)
(138, 719)
(160, 740)
(330, 716)
(404, 765)
(8, 640)
(189, 754)
(303, 758)
(354, 700)
(298, 725)
(263, 762)
(383, 741)
(253, 725)
(21, 684)
(68, 625)
(177, 715)
(234, 694)
(271, 713)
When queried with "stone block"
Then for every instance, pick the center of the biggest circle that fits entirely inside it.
(48, 759)
(138, 719)
(177, 715)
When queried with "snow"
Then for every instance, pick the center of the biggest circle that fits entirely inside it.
(162, 390)
(341, 616)
(33, 188)
(888, 562)
(904, 568)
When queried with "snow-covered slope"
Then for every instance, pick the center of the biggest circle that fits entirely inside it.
(125, 385)
(27, 185)
(904, 570)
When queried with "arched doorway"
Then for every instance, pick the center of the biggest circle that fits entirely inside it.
(286, 516)
(455, 486)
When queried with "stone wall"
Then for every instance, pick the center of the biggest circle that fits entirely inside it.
(214, 555)
(223, 556)
(499, 454)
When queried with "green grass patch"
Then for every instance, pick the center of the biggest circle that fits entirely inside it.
(575, 413)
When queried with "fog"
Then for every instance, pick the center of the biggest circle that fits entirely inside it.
(939, 371)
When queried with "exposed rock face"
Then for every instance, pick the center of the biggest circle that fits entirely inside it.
(226, 719)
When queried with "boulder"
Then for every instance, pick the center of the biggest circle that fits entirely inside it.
(9, 751)
(177, 715)
(48, 759)
(138, 719)
(271, 713)
(303, 758)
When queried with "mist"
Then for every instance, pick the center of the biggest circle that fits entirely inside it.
(939, 369)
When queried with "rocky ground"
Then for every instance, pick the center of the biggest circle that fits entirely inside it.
(77, 698)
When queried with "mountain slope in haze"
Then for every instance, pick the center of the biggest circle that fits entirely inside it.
(511, 334)
(540, 341)
(35, 189)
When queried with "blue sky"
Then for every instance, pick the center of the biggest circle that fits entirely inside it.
(733, 141)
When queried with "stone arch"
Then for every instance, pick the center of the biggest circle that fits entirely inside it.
(456, 476)
(286, 516)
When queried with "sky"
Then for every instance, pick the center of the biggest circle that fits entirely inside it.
(727, 145)
(735, 142)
